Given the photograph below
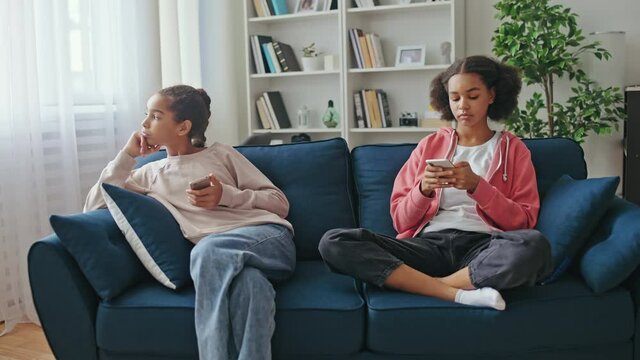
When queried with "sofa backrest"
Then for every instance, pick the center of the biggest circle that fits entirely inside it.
(316, 178)
(376, 166)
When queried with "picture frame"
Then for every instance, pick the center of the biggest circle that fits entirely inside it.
(412, 55)
(303, 6)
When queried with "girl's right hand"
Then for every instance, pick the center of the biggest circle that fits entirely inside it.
(137, 146)
(435, 178)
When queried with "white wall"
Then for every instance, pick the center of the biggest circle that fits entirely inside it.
(603, 153)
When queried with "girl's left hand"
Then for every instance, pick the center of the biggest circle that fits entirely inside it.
(207, 198)
(464, 178)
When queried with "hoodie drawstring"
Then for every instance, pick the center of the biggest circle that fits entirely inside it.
(506, 158)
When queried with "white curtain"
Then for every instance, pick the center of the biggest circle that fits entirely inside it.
(75, 76)
(180, 42)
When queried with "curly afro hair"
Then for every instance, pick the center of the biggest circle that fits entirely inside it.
(505, 79)
(191, 104)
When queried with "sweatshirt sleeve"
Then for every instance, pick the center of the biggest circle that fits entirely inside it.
(520, 210)
(118, 172)
(253, 190)
(408, 205)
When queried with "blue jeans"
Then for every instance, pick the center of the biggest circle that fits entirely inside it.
(235, 301)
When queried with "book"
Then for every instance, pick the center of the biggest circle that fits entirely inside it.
(385, 117)
(353, 35)
(280, 7)
(268, 7)
(365, 106)
(256, 51)
(286, 57)
(364, 50)
(372, 103)
(263, 39)
(274, 98)
(368, 38)
(257, 4)
(272, 60)
(377, 50)
(358, 110)
(263, 113)
(271, 112)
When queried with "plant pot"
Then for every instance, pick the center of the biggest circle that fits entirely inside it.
(312, 63)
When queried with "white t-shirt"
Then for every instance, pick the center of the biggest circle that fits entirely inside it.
(457, 209)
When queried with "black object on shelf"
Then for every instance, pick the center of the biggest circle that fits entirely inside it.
(631, 172)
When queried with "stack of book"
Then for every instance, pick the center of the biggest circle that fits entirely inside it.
(371, 109)
(367, 49)
(272, 56)
(271, 111)
(270, 7)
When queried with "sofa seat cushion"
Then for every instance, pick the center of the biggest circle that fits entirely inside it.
(318, 312)
(149, 319)
(562, 315)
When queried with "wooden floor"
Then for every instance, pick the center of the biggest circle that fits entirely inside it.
(25, 342)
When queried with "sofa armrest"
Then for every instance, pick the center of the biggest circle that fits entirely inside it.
(65, 301)
(632, 283)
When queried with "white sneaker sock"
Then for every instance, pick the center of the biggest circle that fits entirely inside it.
(481, 297)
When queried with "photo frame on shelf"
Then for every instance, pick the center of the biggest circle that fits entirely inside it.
(412, 55)
(328, 4)
(303, 6)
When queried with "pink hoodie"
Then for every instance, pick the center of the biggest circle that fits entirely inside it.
(506, 198)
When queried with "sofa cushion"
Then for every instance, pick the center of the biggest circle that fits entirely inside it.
(318, 312)
(153, 320)
(101, 251)
(149, 319)
(614, 250)
(564, 314)
(567, 155)
(315, 177)
(569, 212)
(153, 233)
(375, 168)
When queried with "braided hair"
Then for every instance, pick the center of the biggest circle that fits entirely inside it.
(189, 103)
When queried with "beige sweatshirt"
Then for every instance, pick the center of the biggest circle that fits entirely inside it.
(248, 196)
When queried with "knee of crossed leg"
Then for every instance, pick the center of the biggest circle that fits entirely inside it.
(330, 245)
(253, 281)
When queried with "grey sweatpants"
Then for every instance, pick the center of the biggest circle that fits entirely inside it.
(500, 260)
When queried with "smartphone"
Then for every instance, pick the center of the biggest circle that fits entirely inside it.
(442, 163)
(200, 184)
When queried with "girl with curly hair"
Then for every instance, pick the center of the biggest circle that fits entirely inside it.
(464, 232)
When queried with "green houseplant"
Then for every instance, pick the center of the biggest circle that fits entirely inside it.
(544, 41)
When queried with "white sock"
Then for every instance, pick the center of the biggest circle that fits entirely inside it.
(481, 297)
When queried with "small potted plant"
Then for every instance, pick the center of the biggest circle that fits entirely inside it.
(310, 59)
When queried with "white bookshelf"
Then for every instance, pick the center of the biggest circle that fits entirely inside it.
(427, 23)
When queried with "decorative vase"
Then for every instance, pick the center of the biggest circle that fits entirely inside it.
(313, 63)
(331, 116)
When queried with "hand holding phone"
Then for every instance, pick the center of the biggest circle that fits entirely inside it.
(441, 163)
(432, 180)
(201, 183)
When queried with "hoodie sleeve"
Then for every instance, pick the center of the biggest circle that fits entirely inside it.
(253, 190)
(520, 209)
(408, 205)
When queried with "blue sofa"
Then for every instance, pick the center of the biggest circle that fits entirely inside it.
(321, 315)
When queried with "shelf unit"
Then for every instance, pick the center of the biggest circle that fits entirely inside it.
(427, 23)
